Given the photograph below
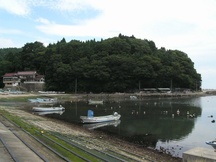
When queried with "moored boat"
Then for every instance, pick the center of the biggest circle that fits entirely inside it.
(43, 109)
(91, 119)
(212, 143)
(43, 100)
(95, 102)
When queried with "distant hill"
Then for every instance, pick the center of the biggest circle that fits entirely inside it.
(118, 64)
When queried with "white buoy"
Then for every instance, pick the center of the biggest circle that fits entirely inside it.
(178, 112)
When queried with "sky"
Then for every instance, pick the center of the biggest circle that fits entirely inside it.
(185, 25)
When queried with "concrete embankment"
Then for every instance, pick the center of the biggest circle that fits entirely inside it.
(199, 154)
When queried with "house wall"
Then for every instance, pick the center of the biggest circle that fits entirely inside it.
(35, 87)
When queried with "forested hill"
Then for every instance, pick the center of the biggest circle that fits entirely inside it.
(118, 64)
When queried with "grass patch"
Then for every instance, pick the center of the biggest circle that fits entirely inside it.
(50, 139)
(16, 99)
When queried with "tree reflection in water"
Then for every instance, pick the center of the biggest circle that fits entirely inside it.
(143, 122)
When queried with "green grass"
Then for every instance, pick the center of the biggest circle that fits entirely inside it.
(42, 135)
(16, 98)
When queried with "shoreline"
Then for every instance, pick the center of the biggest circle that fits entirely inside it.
(106, 96)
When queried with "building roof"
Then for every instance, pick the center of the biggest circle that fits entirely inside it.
(10, 74)
(26, 72)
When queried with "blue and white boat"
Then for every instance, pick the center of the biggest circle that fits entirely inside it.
(91, 119)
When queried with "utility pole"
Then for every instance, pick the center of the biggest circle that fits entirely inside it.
(171, 86)
(139, 85)
(76, 86)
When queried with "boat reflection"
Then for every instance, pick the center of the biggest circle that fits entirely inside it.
(114, 123)
(60, 112)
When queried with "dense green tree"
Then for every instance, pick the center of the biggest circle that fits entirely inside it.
(32, 56)
(122, 64)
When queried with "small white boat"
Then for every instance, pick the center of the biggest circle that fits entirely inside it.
(43, 100)
(91, 119)
(95, 102)
(212, 143)
(114, 123)
(43, 109)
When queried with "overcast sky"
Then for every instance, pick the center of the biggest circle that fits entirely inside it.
(186, 25)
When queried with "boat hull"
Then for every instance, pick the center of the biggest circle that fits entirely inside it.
(43, 100)
(60, 112)
(45, 109)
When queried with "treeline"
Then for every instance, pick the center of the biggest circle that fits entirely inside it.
(118, 64)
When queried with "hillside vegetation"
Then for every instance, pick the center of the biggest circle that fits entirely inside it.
(118, 64)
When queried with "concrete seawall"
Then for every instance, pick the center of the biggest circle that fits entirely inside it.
(199, 154)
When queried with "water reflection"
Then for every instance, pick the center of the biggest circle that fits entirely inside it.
(49, 112)
(145, 122)
(114, 123)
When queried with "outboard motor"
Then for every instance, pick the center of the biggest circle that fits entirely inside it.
(90, 113)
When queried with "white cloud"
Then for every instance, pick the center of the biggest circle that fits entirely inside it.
(10, 31)
(43, 21)
(138, 17)
(70, 5)
(18, 7)
(171, 24)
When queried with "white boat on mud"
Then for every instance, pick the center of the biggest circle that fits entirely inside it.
(114, 123)
(45, 109)
(91, 119)
(95, 102)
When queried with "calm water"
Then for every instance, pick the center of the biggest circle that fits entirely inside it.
(153, 123)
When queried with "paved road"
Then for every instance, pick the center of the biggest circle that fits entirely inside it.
(16, 147)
